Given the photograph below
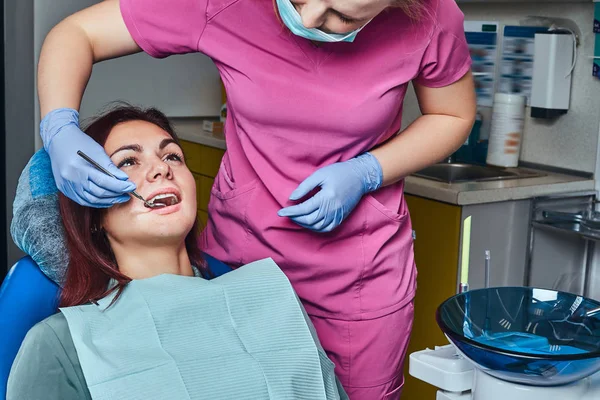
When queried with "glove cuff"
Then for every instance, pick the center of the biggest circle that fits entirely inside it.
(55, 121)
(370, 171)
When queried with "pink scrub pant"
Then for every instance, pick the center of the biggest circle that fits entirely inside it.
(368, 355)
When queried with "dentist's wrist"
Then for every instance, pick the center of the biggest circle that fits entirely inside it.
(55, 121)
(370, 171)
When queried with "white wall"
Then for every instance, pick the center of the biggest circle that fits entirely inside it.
(571, 141)
(180, 86)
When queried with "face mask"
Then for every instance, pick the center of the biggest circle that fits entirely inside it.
(292, 19)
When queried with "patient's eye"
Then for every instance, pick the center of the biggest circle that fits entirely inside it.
(174, 157)
(128, 162)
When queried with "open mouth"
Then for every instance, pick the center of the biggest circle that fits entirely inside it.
(164, 200)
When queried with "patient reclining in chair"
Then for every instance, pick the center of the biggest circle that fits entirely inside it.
(139, 319)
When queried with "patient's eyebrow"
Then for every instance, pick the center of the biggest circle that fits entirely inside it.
(166, 142)
(134, 147)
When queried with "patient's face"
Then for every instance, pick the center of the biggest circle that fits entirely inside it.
(154, 162)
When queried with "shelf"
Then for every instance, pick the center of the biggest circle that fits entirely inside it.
(571, 228)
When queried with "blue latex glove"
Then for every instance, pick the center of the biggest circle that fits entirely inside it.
(342, 185)
(75, 177)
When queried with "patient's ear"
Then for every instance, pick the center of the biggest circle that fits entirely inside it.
(36, 227)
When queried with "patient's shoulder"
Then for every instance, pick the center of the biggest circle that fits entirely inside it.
(58, 324)
(47, 365)
(49, 331)
(53, 336)
(48, 342)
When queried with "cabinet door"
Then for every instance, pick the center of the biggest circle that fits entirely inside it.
(203, 188)
(201, 159)
(437, 230)
(202, 218)
(204, 162)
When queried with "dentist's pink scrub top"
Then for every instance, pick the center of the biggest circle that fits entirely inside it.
(294, 107)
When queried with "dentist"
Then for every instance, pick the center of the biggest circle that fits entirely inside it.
(314, 168)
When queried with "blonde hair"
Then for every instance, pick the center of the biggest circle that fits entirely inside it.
(412, 8)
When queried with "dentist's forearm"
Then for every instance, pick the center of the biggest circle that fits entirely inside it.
(64, 69)
(428, 140)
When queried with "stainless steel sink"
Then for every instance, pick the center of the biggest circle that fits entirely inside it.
(456, 172)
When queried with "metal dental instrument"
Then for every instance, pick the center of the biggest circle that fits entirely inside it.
(101, 169)
(592, 312)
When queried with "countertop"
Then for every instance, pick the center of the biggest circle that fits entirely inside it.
(467, 193)
(190, 129)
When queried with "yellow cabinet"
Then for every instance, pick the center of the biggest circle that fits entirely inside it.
(201, 159)
(202, 218)
(204, 162)
(203, 187)
(437, 229)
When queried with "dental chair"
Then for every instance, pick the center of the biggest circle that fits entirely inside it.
(27, 297)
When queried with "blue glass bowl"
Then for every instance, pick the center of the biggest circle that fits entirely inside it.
(525, 335)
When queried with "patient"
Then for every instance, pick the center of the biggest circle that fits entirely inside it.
(117, 256)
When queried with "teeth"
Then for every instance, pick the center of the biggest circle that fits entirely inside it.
(165, 198)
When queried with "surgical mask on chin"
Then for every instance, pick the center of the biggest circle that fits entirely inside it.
(292, 19)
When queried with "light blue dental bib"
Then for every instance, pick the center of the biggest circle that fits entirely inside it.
(243, 335)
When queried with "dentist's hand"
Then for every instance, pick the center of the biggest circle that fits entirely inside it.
(75, 177)
(342, 185)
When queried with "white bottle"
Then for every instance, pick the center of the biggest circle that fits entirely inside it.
(506, 134)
